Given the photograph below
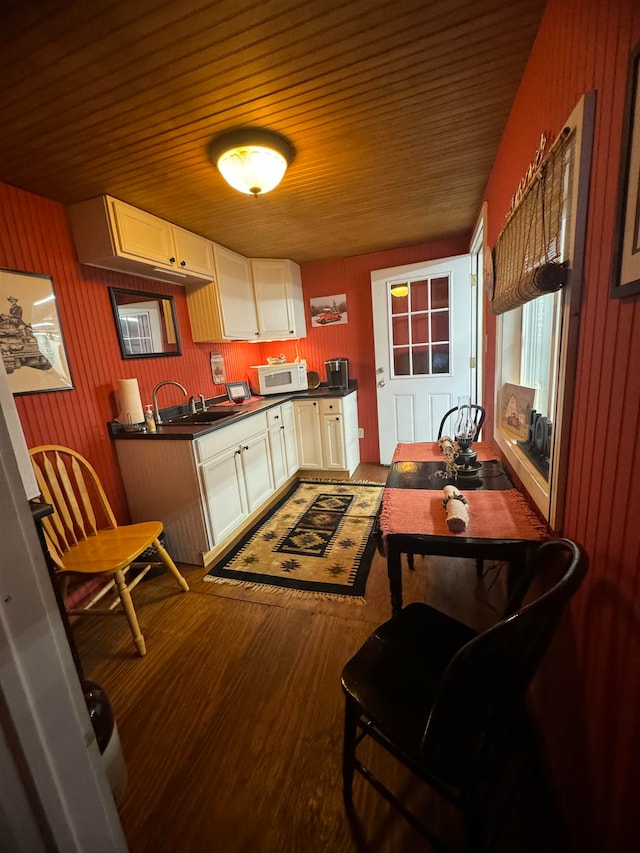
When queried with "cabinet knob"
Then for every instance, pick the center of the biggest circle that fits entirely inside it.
(183, 263)
(315, 404)
(237, 453)
(282, 427)
(337, 420)
(276, 417)
(172, 260)
(245, 447)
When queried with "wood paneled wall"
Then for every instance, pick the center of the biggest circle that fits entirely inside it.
(589, 690)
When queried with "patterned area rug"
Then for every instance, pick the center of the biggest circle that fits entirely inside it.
(315, 542)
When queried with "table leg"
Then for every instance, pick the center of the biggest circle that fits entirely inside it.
(394, 570)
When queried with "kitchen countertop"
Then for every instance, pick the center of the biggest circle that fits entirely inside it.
(189, 432)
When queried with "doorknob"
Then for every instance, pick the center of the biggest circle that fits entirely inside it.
(381, 384)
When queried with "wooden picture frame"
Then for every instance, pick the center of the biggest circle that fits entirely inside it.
(31, 340)
(626, 246)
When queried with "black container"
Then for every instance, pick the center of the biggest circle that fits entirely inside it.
(337, 373)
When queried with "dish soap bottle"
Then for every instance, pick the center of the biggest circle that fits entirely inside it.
(149, 420)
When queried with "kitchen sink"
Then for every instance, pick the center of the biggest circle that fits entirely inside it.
(203, 417)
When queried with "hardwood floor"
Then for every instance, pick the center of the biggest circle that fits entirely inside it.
(231, 726)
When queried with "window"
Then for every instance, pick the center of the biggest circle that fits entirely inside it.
(420, 331)
(537, 340)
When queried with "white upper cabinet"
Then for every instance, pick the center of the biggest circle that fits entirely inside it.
(235, 295)
(257, 299)
(277, 287)
(114, 235)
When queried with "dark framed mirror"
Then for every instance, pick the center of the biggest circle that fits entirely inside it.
(146, 323)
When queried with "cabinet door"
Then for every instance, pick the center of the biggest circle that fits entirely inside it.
(235, 292)
(308, 433)
(224, 493)
(333, 442)
(270, 279)
(288, 432)
(194, 253)
(279, 305)
(277, 455)
(256, 470)
(141, 235)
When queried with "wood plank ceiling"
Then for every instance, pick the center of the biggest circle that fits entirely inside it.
(395, 108)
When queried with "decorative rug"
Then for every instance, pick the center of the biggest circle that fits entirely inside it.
(316, 542)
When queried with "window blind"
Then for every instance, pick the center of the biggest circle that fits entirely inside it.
(530, 253)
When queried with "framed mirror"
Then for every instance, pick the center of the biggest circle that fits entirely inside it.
(146, 323)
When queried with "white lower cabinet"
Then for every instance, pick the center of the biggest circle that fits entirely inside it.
(327, 433)
(207, 489)
(282, 443)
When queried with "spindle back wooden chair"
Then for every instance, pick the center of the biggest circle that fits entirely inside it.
(83, 536)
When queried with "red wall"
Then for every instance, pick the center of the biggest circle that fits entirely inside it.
(589, 690)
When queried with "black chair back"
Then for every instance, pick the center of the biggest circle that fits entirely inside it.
(477, 413)
(483, 688)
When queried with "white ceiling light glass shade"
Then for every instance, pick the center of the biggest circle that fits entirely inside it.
(251, 160)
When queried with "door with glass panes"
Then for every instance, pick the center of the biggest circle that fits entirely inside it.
(423, 346)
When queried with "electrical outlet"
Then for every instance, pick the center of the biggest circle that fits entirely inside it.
(360, 432)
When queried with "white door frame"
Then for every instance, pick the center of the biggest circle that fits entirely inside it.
(64, 801)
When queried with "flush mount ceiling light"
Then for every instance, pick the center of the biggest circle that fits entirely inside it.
(251, 159)
(399, 289)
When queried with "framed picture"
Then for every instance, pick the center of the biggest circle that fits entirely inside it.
(238, 392)
(626, 246)
(31, 339)
(329, 310)
(515, 409)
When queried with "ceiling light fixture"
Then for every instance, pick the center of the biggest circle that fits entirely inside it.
(251, 159)
(399, 289)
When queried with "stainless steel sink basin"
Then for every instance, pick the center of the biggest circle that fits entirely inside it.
(204, 417)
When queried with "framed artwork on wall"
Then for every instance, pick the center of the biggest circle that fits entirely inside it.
(329, 309)
(626, 245)
(31, 340)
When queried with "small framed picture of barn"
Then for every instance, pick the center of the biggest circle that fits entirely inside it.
(31, 340)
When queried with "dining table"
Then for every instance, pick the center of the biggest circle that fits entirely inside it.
(413, 520)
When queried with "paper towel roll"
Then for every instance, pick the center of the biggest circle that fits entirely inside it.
(131, 413)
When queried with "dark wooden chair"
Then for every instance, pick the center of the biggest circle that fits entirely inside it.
(477, 414)
(449, 703)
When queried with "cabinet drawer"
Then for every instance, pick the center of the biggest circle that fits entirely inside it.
(235, 433)
(331, 407)
(274, 416)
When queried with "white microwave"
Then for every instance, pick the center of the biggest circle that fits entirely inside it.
(278, 378)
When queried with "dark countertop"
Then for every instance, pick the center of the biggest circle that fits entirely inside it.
(189, 432)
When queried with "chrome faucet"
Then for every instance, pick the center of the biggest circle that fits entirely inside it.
(193, 406)
(156, 410)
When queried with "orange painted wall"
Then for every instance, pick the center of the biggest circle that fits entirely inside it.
(589, 690)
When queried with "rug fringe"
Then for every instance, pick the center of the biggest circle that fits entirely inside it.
(291, 593)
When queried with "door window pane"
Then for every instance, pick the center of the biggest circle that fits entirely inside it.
(440, 326)
(420, 329)
(419, 296)
(400, 330)
(420, 361)
(440, 292)
(401, 365)
(441, 358)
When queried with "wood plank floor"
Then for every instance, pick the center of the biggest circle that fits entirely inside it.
(231, 726)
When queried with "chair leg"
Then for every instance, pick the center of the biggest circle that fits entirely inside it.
(127, 604)
(166, 559)
(351, 715)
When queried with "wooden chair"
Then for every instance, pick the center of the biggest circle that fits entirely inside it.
(83, 536)
(449, 703)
